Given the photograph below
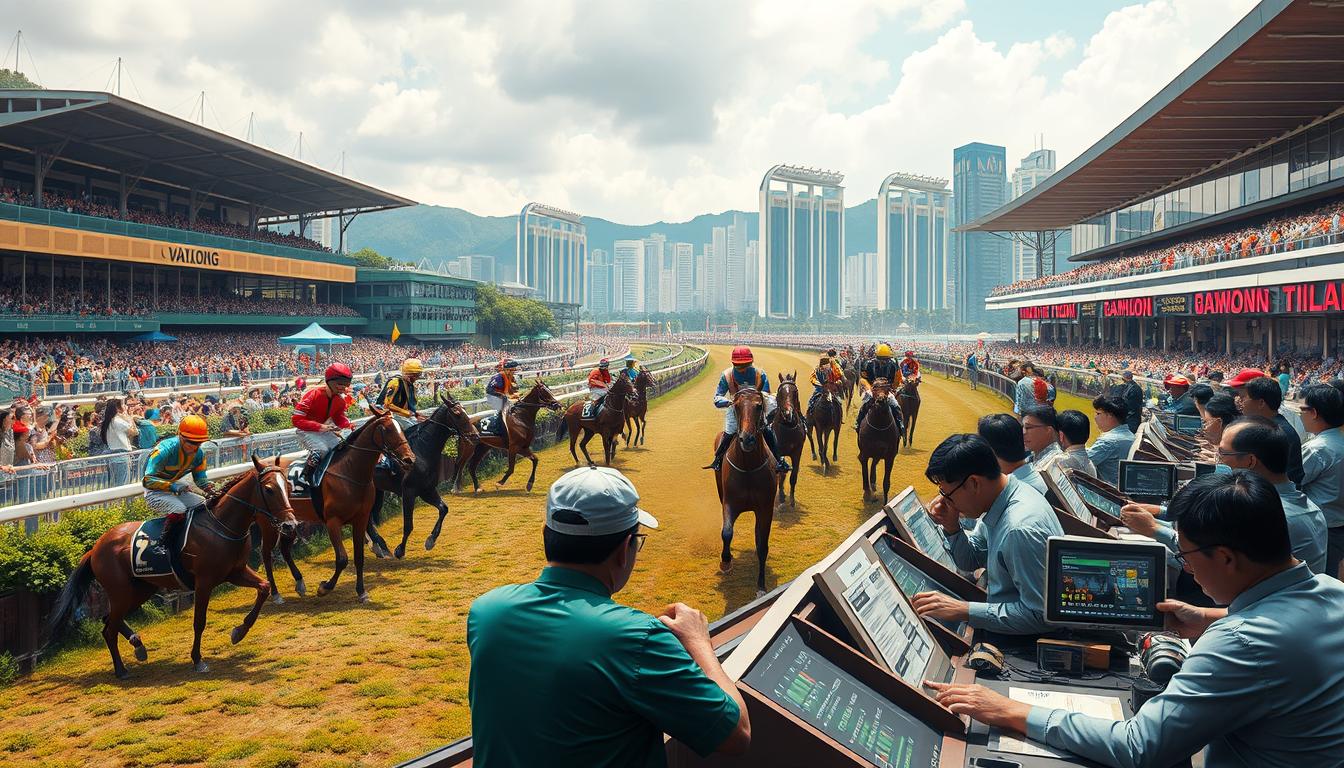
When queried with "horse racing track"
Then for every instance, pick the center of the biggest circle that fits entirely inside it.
(329, 681)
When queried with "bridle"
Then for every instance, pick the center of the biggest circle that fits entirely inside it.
(222, 530)
(783, 418)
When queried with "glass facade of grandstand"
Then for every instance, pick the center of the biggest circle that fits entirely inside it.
(802, 244)
(912, 243)
(1307, 159)
(553, 254)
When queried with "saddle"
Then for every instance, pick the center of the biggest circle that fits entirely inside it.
(152, 556)
(304, 488)
(492, 424)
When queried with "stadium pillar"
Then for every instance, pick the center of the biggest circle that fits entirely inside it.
(191, 207)
(1227, 333)
(252, 216)
(1325, 337)
(39, 176)
(1019, 330)
(1269, 340)
(122, 194)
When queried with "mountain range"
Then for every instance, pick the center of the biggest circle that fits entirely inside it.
(442, 234)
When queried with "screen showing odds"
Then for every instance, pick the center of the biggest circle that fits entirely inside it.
(1098, 587)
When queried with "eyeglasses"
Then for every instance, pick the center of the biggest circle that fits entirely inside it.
(1181, 553)
(1026, 427)
(1224, 454)
(639, 540)
(948, 495)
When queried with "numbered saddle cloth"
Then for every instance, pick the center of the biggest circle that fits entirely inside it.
(491, 425)
(152, 556)
(589, 409)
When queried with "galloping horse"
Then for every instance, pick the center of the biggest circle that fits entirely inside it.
(879, 440)
(746, 481)
(216, 549)
(346, 496)
(851, 371)
(520, 420)
(790, 433)
(427, 440)
(609, 423)
(638, 408)
(909, 400)
(824, 417)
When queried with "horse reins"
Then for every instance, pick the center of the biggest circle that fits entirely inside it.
(223, 530)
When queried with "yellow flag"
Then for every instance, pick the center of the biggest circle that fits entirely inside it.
(396, 333)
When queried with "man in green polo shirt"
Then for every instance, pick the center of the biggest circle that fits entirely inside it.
(561, 675)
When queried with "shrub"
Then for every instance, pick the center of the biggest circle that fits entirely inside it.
(39, 563)
(87, 525)
(9, 669)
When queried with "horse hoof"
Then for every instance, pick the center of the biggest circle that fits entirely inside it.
(529, 487)
(237, 635)
(430, 542)
(201, 667)
(141, 654)
(301, 588)
(364, 597)
(725, 566)
(278, 599)
(322, 589)
(401, 551)
(121, 674)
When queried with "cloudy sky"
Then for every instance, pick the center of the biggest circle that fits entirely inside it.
(629, 110)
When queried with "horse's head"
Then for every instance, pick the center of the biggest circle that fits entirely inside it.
(273, 490)
(910, 387)
(643, 379)
(451, 414)
(881, 390)
(388, 438)
(541, 395)
(621, 386)
(787, 395)
(749, 407)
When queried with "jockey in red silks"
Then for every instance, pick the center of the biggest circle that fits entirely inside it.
(741, 374)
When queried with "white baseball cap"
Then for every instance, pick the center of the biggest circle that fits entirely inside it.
(603, 499)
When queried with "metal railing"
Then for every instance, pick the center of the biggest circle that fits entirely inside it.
(283, 443)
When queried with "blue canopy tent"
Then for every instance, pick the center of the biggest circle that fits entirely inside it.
(315, 337)
(153, 336)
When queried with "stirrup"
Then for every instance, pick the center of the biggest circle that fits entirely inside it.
(715, 465)
(782, 466)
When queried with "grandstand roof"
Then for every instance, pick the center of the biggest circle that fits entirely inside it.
(1276, 70)
(107, 132)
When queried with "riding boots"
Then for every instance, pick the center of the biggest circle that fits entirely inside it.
(720, 452)
(781, 464)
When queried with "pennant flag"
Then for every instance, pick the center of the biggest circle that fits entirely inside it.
(396, 333)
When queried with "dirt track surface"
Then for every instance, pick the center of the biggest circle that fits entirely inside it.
(330, 682)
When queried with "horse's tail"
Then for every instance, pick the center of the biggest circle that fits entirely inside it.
(63, 614)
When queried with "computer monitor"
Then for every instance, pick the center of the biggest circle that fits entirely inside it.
(911, 580)
(912, 520)
(1068, 496)
(1188, 425)
(1148, 481)
(1104, 584)
(1099, 501)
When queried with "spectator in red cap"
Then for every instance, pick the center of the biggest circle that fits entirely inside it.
(1181, 403)
(1243, 376)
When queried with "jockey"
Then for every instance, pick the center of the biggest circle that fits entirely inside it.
(826, 372)
(500, 390)
(909, 366)
(744, 374)
(631, 370)
(599, 381)
(320, 415)
(398, 394)
(880, 367)
(169, 462)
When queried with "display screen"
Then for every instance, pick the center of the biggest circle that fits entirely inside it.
(1188, 425)
(911, 579)
(1149, 479)
(927, 537)
(1104, 503)
(1072, 500)
(890, 621)
(1092, 582)
(829, 699)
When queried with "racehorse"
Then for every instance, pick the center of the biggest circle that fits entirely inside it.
(638, 408)
(346, 496)
(879, 440)
(824, 417)
(746, 481)
(609, 423)
(215, 551)
(851, 372)
(908, 398)
(520, 419)
(790, 433)
(427, 440)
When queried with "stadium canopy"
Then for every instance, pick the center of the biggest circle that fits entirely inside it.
(106, 132)
(1278, 69)
(315, 336)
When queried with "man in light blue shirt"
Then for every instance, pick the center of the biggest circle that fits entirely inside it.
(1024, 393)
(1114, 442)
(1004, 435)
(1264, 683)
(1040, 435)
(1008, 542)
(1074, 428)
(1323, 464)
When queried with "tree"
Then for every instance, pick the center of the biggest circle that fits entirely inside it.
(10, 79)
(505, 317)
(367, 257)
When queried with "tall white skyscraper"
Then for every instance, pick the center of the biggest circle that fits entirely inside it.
(752, 263)
(802, 243)
(654, 246)
(735, 264)
(1034, 168)
(686, 278)
(326, 231)
(553, 253)
(912, 241)
(628, 281)
(711, 277)
(599, 282)
(861, 281)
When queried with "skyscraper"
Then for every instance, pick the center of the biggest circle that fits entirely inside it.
(654, 245)
(723, 264)
(862, 281)
(912, 242)
(982, 260)
(599, 282)
(735, 264)
(1035, 168)
(686, 277)
(628, 278)
(711, 277)
(476, 267)
(751, 279)
(801, 244)
(552, 253)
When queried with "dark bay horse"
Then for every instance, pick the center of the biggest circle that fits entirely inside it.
(790, 434)
(879, 440)
(347, 496)
(851, 371)
(638, 408)
(824, 417)
(609, 423)
(746, 481)
(427, 440)
(520, 419)
(908, 398)
(215, 552)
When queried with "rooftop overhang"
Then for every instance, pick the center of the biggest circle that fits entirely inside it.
(1277, 70)
(800, 175)
(538, 209)
(106, 132)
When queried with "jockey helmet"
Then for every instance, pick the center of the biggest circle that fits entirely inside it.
(883, 350)
(338, 371)
(825, 358)
(832, 352)
(411, 366)
(193, 428)
(909, 353)
(604, 363)
(742, 356)
(508, 364)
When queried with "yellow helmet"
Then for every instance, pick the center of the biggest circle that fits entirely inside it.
(883, 350)
(412, 365)
(193, 428)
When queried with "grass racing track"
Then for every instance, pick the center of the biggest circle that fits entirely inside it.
(330, 682)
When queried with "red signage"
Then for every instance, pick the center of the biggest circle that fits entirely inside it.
(1048, 312)
(1233, 301)
(1142, 307)
(1317, 297)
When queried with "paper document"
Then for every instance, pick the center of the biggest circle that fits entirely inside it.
(1104, 707)
(891, 623)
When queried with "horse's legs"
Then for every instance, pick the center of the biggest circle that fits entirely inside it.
(123, 597)
(465, 450)
(198, 623)
(726, 558)
(886, 479)
(608, 448)
(793, 477)
(287, 551)
(131, 637)
(531, 478)
(268, 537)
(574, 430)
(583, 446)
(763, 520)
(513, 458)
(863, 473)
(835, 446)
(376, 540)
(431, 495)
(807, 430)
(407, 520)
(357, 538)
(475, 462)
(642, 421)
(334, 533)
(246, 577)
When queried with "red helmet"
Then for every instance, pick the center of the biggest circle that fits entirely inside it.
(909, 353)
(339, 371)
(741, 355)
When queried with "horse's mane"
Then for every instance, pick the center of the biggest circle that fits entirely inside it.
(213, 497)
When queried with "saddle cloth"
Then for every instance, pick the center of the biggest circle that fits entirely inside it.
(491, 425)
(589, 408)
(152, 556)
(298, 485)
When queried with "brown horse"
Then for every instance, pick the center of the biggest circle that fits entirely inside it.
(908, 398)
(215, 552)
(824, 417)
(638, 408)
(520, 420)
(609, 423)
(790, 434)
(879, 440)
(347, 496)
(851, 371)
(746, 480)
